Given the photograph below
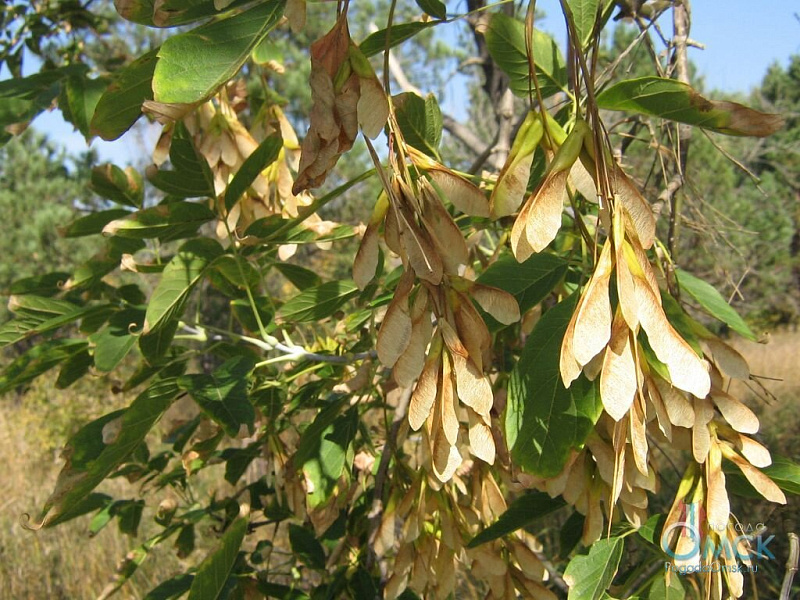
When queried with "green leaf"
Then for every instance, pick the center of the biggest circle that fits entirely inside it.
(171, 13)
(434, 8)
(237, 270)
(93, 223)
(79, 98)
(584, 15)
(530, 282)
(664, 589)
(522, 512)
(223, 394)
(317, 303)
(238, 459)
(38, 360)
(192, 66)
(677, 101)
(171, 589)
(213, 572)
(22, 98)
(505, 39)
(649, 530)
(420, 121)
(262, 157)
(155, 344)
(589, 576)
(113, 343)
(712, 302)
(376, 42)
(282, 592)
(90, 460)
(300, 277)
(123, 187)
(306, 546)
(544, 421)
(325, 450)
(120, 106)
(75, 367)
(180, 276)
(165, 221)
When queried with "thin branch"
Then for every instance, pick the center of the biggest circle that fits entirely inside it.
(791, 566)
(271, 344)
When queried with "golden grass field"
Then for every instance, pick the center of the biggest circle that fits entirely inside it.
(63, 563)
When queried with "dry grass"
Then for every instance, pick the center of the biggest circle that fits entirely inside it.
(59, 563)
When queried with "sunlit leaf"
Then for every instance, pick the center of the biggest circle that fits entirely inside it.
(590, 575)
(260, 159)
(544, 421)
(420, 121)
(213, 572)
(317, 303)
(677, 101)
(505, 39)
(713, 303)
(193, 65)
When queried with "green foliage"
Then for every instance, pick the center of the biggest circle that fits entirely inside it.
(380, 435)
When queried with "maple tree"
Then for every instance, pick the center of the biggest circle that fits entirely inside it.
(512, 341)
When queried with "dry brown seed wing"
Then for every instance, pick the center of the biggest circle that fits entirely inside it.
(445, 457)
(419, 250)
(687, 371)
(373, 107)
(568, 366)
(366, 261)
(424, 396)
(498, 303)
(481, 441)
(618, 378)
(728, 360)
(757, 454)
(395, 332)
(662, 415)
(473, 333)
(741, 418)
(638, 437)
(718, 505)
(763, 484)
(544, 218)
(520, 246)
(444, 232)
(679, 409)
(510, 187)
(465, 196)
(446, 402)
(636, 207)
(701, 439)
(593, 318)
(410, 364)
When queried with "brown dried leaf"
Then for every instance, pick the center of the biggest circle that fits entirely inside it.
(373, 107)
(657, 402)
(446, 457)
(473, 333)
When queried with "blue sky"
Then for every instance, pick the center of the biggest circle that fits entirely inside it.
(742, 38)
